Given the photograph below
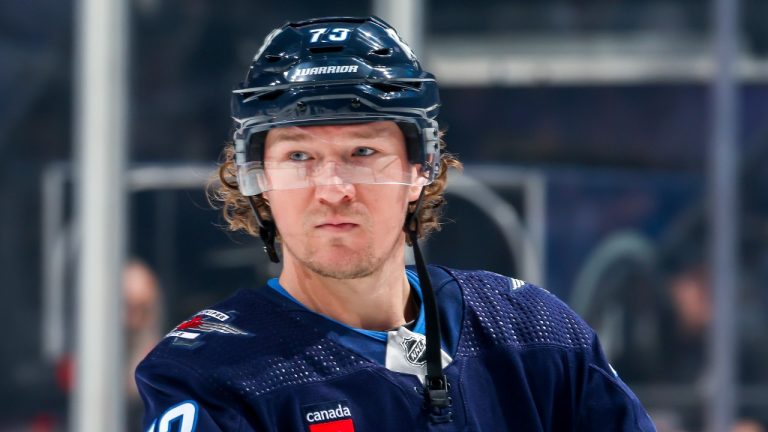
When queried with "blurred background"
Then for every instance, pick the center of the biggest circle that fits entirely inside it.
(584, 126)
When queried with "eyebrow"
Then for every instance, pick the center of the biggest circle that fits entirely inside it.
(293, 135)
(289, 135)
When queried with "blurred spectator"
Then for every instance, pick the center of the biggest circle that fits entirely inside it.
(142, 307)
(142, 319)
(748, 426)
(692, 307)
(685, 343)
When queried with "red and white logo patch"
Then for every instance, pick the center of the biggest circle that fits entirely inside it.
(207, 321)
(328, 417)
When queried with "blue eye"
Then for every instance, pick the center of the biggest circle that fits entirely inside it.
(363, 151)
(298, 156)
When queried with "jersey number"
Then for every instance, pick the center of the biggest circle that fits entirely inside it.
(183, 414)
(335, 35)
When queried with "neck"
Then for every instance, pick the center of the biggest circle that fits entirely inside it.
(379, 301)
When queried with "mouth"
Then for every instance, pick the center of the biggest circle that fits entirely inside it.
(336, 226)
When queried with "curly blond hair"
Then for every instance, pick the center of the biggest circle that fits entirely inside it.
(224, 194)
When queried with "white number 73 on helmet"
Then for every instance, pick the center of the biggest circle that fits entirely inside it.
(335, 35)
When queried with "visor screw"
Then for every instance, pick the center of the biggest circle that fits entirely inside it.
(301, 106)
(355, 103)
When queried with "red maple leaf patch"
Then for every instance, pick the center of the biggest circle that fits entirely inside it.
(345, 425)
(193, 323)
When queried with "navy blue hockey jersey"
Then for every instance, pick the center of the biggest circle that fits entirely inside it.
(516, 358)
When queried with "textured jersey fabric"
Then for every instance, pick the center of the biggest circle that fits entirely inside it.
(258, 361)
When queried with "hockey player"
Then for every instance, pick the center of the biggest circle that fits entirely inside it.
(337, 156)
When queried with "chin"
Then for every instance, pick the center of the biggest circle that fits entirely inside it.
(344, 273)
(342, 263)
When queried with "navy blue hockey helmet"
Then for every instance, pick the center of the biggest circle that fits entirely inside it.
(336, 70)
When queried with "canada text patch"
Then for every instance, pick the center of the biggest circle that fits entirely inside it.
(328, 417)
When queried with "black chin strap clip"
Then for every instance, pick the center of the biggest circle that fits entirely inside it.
(437, 392)
(267, 232)
(436, 384)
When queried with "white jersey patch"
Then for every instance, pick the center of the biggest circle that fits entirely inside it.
(221, 316)
(183, 334)
(406, 353)
(516, 283)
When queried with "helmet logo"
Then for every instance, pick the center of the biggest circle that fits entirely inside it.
(325, 70)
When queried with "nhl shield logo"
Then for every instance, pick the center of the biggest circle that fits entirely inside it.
(415, 350)
(407, 353)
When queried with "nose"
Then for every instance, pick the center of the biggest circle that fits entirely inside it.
(335, 193)
(332, 185)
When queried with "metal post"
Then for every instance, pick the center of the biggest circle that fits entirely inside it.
(723, 217)
(407, 17)
(100, 134)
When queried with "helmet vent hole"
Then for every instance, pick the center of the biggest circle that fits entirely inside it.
(273, 58)
(326, 49)
(386, 88)
(382, 52)
(271, 95)
(395, 87)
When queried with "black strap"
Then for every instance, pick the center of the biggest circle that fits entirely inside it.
(436, 384)
(267, 232)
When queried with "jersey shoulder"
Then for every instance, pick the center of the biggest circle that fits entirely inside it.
(201, 337)
(250, 344)
(506, 311)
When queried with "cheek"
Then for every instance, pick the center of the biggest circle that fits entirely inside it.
(286, 210)
(388, 209)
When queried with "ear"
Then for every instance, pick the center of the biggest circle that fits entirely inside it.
(414, 192)
(265, 196)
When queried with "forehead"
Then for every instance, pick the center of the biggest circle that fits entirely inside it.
(372, 131)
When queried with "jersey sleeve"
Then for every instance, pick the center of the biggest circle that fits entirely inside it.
(176, 399)
(606, 403)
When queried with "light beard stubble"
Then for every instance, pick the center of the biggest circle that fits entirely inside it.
(359, 264)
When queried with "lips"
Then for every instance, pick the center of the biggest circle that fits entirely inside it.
(337, 226)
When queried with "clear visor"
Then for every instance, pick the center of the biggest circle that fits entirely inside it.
(258, 177)
(297, 158)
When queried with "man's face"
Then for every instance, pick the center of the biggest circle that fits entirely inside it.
(333, 228)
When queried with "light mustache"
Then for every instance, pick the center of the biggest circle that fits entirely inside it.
(357, 217)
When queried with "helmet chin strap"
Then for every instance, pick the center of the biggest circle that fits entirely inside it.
(436, 384)
(267, 232)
